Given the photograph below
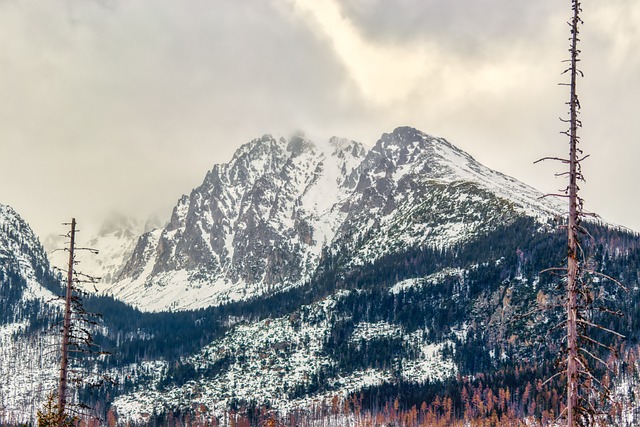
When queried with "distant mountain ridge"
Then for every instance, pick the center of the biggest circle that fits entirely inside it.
(22, 256)
(259, 224)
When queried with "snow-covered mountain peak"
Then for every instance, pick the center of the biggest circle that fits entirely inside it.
(408, 154)
(340, 144)
(253, 159)
(20, 249)
(23, 262)
(9, 219)
(115, 241)
(259, 223)
(421, 152)
(255, 224)
(179, 214)
(404, 136)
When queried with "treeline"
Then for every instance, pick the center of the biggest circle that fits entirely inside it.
(522, 250)
(507, 397)
(496, 274)
(503, 268)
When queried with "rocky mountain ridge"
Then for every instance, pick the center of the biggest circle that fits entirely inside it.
(22, 259)
(260, 223)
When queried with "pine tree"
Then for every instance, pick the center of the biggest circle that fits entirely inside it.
(52, 416)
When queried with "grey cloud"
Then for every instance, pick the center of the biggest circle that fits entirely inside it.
(464, 25)
(143, 97)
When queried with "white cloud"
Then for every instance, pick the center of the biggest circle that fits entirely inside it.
(616, 23)
(382, 71)
(143, 97)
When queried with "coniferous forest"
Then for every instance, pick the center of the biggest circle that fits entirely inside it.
(504, 357)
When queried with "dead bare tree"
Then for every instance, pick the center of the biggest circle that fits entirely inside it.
(581, 384)
(66, 328)
(76, 338)
(575, 214)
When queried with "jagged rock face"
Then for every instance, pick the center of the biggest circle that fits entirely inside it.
(255, 225)
(115, 241)
(22, 257)
(418, 190)
(259, 223)
(143, 254)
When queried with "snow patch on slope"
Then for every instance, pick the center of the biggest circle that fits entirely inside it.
(266, 361)
(28, 371)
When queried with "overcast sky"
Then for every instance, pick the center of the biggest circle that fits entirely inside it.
(121, 105)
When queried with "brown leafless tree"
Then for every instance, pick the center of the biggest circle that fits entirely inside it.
(66, 328)
(581, 384)
(575, 213)
(76, 338)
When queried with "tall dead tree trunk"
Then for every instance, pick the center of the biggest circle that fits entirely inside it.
(575, 211)
(66, 331)
(77, 338)
(581, 351)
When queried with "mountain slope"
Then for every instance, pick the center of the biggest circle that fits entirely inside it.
(255, 225)
(24, 266)
(28, 367)
(260, 223)
(281, 361)
(418, 190)
(417, 324)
